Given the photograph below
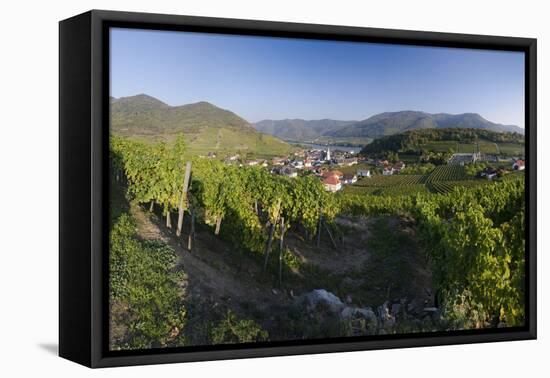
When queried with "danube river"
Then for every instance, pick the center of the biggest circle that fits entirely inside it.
(333, 147)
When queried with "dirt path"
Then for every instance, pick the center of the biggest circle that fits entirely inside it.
(351, 251)
(219, 138)
(212, 270)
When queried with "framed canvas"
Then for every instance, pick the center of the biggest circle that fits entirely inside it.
(235, 188)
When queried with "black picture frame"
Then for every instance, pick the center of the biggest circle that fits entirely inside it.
(83, 206)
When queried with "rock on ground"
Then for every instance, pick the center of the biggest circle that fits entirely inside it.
(323, 298)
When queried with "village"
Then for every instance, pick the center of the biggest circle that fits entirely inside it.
(337, 168)
(326, 164)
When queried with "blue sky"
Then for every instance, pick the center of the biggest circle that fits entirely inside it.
(275, 78)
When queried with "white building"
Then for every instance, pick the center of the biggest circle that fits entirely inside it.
(363, 173)
(387, 171)
(332, 184)
(350, 179)
(298, 164)
(519, 165)
(289, 172)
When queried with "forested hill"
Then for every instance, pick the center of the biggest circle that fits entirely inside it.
(413, 141)
(147, 114)
(206, 127)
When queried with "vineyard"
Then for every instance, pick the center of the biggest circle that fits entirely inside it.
(394, 180)
(389, 185)
(449, 172)
(387, 190)
(246, 205)
(517, 175)
(485, 147)
(443, 187)
(472, 231)
(443, 179)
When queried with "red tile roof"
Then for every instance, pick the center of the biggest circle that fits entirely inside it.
(332, 173)
(331, 180)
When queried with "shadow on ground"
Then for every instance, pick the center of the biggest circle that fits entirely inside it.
(51, 348)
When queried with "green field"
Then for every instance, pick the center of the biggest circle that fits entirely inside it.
(442, 179)
(381, 181)
(224, 142)
(408, 158)
(228, 141)
(514, 149)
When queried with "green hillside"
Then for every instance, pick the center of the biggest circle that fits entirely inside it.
(206, 127)
(449, 140)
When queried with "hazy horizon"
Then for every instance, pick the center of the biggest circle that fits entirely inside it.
(261, 78)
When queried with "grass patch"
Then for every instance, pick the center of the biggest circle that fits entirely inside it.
(388, 272)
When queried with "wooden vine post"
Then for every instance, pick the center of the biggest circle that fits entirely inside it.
(330, 234)
(191, 237)
(319, 229)
(268, 246)
(281, 249)
(218, 225)
(183, 197)
(272, 233)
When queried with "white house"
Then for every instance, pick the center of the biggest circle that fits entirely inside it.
(289, 172)
(332, 184)
(398, 166)
(298, 164)
(519, 165)
(278, 160)
(350, 179)
(489, 173)
(346, 161)
(363, 173)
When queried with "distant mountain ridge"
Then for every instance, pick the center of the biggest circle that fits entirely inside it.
(300, 129)
(206, 127)
(377, 126)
